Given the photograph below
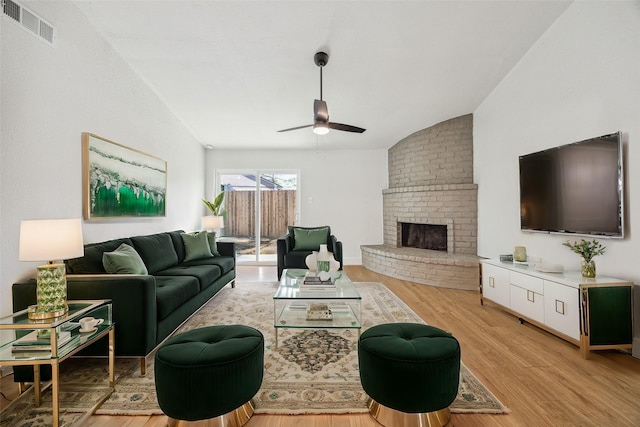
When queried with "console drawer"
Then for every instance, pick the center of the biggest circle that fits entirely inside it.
(528, 303)
(526, 282)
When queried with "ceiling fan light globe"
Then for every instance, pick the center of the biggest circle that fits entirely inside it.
(320, 129)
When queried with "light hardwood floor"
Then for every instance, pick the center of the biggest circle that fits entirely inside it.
(542, 379)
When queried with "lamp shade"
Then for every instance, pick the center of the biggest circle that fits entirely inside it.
(50, 239)
(212, 222)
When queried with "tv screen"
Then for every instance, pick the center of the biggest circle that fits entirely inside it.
(575, 188)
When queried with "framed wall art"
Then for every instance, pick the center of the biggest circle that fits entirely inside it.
(119, 181)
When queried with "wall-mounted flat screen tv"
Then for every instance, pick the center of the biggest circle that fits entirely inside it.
(575, 188)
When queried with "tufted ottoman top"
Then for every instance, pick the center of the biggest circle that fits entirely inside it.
(408, 342)
(210, 346)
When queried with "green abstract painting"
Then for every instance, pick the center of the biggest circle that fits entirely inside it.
(120, 181)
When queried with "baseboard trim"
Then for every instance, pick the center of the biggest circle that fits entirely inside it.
(635, 352)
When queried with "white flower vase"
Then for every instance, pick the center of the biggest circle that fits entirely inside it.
(322, 260)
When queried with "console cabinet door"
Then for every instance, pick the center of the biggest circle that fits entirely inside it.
(562, 308)
(495, 284)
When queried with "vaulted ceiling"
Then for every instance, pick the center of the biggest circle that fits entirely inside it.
(235, 72)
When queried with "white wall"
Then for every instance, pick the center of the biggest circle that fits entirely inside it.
(49, 97)
(580, 80)
(342, 189)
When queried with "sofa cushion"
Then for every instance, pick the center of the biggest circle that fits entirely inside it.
(226, 263)
(309, 239)
(91, 262)
(206, 274)
(156, 250)
(173, 291)
(196, 245)
(124, 260)
(213, 245)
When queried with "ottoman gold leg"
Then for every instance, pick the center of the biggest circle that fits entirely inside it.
(390, 417)
(236, 418)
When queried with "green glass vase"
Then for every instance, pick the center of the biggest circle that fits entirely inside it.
(588, 268)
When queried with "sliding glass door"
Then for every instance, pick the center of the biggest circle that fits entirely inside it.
(258, 207)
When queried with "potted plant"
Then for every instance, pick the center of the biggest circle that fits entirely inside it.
(587, 250)
(215, 221)
(215, 205)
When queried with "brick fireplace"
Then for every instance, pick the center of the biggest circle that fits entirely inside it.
(431, 195)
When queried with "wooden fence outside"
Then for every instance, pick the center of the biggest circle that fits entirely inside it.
(278, 210)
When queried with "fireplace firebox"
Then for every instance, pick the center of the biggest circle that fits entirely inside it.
(424, 236)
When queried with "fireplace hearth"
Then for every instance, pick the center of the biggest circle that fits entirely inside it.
(424, 236)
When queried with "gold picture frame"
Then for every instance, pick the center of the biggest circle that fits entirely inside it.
(121, 182)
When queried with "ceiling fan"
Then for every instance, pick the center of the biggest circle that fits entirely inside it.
(321, 123)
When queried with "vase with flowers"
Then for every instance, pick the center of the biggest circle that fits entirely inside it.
(587, 250)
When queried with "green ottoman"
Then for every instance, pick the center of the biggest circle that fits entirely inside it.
(411, 373)
(210, 373)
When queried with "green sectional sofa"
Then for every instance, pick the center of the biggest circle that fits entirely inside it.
(147, 308)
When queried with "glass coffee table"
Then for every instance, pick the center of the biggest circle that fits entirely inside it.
(291, 303)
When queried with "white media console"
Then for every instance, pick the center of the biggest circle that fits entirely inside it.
(594, 314)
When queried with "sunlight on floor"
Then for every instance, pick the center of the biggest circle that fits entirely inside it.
(256, 273)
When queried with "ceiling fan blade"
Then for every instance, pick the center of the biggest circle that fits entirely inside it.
(346, 128)
(320, 111)
(295, 128)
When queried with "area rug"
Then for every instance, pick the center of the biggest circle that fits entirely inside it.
(312, 371)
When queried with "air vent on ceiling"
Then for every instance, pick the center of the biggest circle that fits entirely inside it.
(28, 20)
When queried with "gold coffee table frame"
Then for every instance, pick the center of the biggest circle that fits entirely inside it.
(22, 324)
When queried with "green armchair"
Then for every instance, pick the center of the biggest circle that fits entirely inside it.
(300, 242)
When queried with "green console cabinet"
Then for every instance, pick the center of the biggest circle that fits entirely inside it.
(606, 316)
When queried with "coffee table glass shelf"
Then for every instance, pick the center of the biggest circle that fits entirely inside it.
(65, 328)
(292, 300)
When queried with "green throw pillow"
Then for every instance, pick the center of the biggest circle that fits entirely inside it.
(213, 245)
(196, 245)
(124, 260)
(309, 239)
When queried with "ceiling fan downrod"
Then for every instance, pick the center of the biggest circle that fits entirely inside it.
(321, 59)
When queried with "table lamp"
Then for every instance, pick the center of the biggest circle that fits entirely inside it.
(50, 240)
(212, 222)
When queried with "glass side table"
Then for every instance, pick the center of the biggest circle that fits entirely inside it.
(64, 328)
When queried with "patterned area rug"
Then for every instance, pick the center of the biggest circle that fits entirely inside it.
(311, 371)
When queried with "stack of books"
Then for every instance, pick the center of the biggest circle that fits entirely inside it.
(317, 281)
(314, 284)
(34, 343)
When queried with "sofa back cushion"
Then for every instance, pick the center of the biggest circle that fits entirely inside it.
(178, 244)
(156, 250)
(91, 262)
(309, 238)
